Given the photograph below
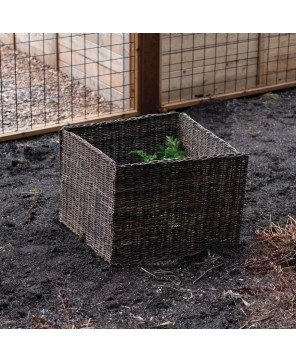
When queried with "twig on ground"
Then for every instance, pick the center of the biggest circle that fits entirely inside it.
(40, 322)
(207, 271)
(250, 322)
(164, 324)
(31, 206)
(146, 271)
(66, 308)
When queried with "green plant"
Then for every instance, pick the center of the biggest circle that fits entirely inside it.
(35, 191)
(144, 155)
(171, 149)
(253, 133)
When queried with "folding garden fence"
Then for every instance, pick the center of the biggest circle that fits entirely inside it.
(136, 212)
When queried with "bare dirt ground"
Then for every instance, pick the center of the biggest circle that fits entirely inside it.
(49, 278)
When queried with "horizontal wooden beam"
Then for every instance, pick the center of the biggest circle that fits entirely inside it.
(40, 130)
(237, 94)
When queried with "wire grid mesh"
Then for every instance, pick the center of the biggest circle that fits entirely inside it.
(196, 66)
(47, 78)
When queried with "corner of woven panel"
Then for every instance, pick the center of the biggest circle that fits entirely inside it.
(243, 155)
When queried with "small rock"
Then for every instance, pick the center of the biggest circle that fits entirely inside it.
(289, 115)
(9, 223)
(112, 304)
(269, 97)
(33, 293)
(15, 163)
(3, 304)
(8, 288)
(55, 146)
(38, 153)
(257, 102)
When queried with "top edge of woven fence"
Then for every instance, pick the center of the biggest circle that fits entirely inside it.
(228, 152)
(122, 120)
(180, 160)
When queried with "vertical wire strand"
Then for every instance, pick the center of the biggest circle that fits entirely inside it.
(133, 104)
(30, 81)
(247, 61)
(132, 68)
(204, 64)
(1, 92)
(123, 84)
(192, 67)
(181, 66)
(215, 63)
(58, 76)
(169, 68)
(240, 61)
(267, 61)
(44, 78)
(16, 92)
(226, 63)
(278, 58)
(110, 73)
(237, 62)
(259, 61)
(129, 49)
(85, 75)
(71, 75)
(287, 59)
(125, 72)
(98, 74)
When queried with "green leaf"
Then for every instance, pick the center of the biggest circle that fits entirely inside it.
(145, 156)
(167, 151)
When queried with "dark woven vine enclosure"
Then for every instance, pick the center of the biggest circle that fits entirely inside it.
(136, 212)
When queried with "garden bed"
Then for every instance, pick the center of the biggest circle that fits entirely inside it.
(49, 278)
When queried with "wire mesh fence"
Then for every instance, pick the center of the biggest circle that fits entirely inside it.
(51, 79)
(48, 78)
(198, 66)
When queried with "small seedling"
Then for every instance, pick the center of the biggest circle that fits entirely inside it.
(254, 133)
(32, 192)
(5, 247)
(144, 155)
(170, 150)
(36, 191)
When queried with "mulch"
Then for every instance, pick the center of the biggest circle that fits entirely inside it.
(49, 277)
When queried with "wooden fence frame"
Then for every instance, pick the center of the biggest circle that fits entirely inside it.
(260, 88)
(146, 82)
(147, 91)
(149, 81)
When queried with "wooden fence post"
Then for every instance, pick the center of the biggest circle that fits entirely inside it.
(149, 73)
(12, 44)
(263, 51)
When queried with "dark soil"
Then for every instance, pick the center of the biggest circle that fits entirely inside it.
(49, 277)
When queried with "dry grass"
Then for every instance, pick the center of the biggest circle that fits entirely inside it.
(66, 313)
(277, 244)
(273, 270)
